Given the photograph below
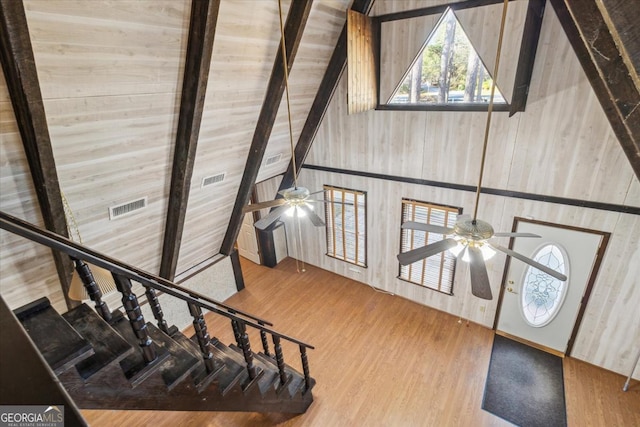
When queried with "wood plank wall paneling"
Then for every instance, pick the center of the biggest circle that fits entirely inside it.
(111, 89)
(320, 35)
(248, 34)
(361, 63)
(28, 271)
(562, 145)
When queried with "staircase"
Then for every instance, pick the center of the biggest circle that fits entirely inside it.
(117, 360)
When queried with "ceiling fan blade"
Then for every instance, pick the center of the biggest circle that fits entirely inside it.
(480, 285)
(262, 205)
(272, 217)
(410, 225)
(515, 235)
(531, 262)
(414, 255)
(315, 219)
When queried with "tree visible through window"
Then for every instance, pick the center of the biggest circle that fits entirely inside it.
(447, 70)
(435, 272)
(345, 216)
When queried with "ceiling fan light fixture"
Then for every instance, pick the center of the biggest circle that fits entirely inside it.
(487, 251)
(457, 250)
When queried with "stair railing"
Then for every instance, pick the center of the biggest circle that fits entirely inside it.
(124, 273)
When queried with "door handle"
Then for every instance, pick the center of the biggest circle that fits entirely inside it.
(510, 289)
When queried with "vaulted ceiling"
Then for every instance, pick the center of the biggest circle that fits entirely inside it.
(118, 100)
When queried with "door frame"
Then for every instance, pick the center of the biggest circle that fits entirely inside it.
(590, 283)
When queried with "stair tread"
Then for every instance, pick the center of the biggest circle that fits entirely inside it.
(182, 362)
(230, 373)
(271, 374)
(296, 379)
(134, 366)
(60, 345)
(107, 344)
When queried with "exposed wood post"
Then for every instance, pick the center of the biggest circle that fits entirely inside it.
(606, 70)
(325, 92)
(18, 65)
(204, 16)
(293, 29)
(237, 270)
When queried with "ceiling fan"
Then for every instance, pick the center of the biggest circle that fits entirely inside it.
(469, 237)
(295, 201)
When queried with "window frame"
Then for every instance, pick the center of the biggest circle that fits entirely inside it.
(524, 68)
(330, 225)
(447, 209)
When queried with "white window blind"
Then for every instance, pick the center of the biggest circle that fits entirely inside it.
(346, 219)
(435, 272)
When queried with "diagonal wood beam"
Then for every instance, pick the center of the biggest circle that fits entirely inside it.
(293, 29)
(18, 65)
(202, 28)
(325, 92)
(609, 75)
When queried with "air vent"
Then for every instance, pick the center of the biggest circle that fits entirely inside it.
(273, 159)
(214, 179)
(118, 211)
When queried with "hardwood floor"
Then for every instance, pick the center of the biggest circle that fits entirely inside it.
(381, 360)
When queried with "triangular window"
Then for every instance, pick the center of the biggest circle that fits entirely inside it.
(447, 70)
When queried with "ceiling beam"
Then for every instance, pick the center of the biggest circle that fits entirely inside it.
(293, 29)
(18, 65)
(605, 67)
(323, 97)
(202, 28)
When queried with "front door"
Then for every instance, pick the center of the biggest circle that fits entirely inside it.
(536, 308)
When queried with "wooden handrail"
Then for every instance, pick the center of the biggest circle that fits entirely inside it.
(78, 251)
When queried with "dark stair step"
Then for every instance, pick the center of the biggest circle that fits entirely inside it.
(134, 366)
(180, 364)
(201, 378)
(61, 346)
(270, 379)
(232, 373)
(108, 345)
(295, 380)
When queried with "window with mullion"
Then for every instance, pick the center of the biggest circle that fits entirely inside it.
(346, 229)
(435, 272)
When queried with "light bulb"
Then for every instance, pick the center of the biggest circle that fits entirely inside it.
(289, 212)
(457, 249)
(487, 252)
(300, 212)
(465, 255)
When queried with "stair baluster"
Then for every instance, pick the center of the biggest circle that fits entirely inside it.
(277, 347)
(305, 367)
(246, 350)
(154, 303)
(265, 341)
(138, 324)
(204, 341)
(95, 294)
